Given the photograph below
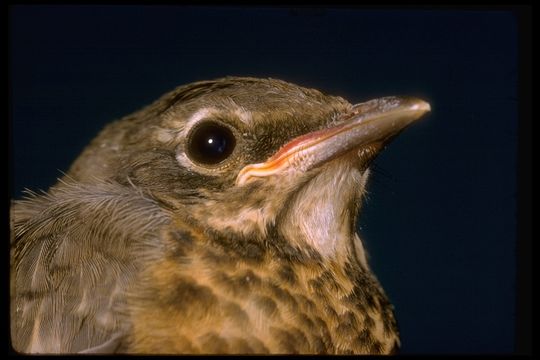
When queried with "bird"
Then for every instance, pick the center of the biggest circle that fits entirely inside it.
(219, 219)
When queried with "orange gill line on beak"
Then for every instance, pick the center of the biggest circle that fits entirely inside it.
(281, 159)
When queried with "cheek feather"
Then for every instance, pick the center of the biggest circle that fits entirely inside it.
(247, 220)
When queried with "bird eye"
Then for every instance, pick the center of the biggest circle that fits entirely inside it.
(210, 143)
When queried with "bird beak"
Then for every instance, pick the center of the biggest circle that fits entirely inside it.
(366, 126)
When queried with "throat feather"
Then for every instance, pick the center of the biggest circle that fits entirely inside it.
(322, 214)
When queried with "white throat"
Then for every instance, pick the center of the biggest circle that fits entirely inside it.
(321, 215)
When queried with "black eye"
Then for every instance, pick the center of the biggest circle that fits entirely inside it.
(210, 143)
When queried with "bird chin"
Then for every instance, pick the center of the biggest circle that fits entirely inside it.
(366, 154)
(322, 214)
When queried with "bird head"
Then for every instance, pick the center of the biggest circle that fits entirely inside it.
(260, 161)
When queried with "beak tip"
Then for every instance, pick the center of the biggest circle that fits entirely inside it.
(421, 106)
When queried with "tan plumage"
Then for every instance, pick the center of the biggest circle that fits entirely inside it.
(157, 243)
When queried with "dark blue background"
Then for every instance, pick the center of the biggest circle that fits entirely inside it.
(440, 218)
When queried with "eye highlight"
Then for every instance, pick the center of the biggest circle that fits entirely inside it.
(210, 143)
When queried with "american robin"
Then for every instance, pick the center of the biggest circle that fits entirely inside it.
(219, 219)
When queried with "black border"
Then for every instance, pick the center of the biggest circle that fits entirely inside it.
(523, 334)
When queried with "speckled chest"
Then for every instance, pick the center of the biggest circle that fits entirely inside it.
(203, 300)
